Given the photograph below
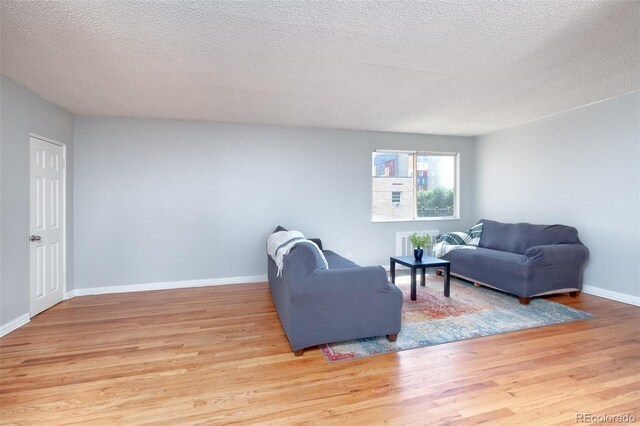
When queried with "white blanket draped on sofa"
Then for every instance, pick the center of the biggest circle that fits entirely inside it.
(281, 243)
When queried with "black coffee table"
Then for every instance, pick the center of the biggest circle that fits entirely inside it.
(426, 262)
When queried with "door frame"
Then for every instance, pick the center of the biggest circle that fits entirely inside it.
(64, 213)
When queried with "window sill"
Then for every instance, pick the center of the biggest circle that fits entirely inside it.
(424, 219)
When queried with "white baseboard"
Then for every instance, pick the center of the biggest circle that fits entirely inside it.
(613, 295)
(164, 285)
(14, 324)
(24, 318)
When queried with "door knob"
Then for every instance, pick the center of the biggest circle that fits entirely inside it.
(35, 238)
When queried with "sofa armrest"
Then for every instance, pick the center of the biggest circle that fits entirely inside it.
(317, 241)
(344, 280)
(557, 254)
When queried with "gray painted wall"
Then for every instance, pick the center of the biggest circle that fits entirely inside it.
(23, 112)
(580, 168)
(160, 200)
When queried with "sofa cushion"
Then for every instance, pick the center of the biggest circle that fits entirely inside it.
(504, 270)
(336, 261)
(518, 237)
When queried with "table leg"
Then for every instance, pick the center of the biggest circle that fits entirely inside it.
(413, 283)
(422, 273)
(447, 270)
(392, 266)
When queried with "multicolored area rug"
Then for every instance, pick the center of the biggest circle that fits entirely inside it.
(470, 312)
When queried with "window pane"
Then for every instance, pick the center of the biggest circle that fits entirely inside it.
(392, 183)
(392, 164)
(395, 197)
(435, 183)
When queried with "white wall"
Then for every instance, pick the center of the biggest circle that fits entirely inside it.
(23, 112)
(158, 200)
(161, 200)
(580, 168)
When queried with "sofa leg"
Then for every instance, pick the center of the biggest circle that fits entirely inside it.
(524, 300)
(574, 294)
(392, 337)
(477, 284)
(438, 272)
(299, 352)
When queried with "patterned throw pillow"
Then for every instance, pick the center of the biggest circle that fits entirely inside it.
(469, 238)
(454, 238)
(475, 233)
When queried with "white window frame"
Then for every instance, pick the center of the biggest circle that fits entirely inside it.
(456, 191)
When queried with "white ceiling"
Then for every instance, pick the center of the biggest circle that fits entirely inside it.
(441, 67)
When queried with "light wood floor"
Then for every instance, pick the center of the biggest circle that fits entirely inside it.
(217, 355)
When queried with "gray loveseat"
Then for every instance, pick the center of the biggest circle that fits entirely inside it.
(524, 259)
(318, 305)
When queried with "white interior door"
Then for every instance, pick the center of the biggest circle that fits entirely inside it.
(47, 225)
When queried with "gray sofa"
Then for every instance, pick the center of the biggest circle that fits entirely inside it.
(524, 259)
(318, 305)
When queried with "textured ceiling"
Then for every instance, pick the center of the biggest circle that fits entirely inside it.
(442, 67)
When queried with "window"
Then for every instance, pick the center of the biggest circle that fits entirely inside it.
(395, 198)
(420, 185)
